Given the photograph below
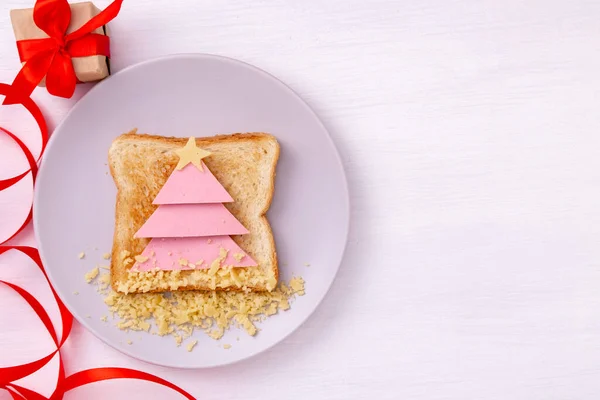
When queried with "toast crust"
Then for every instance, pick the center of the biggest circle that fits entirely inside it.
(120, 273)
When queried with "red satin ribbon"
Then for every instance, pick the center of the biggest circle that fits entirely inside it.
(64, 383)
(51, 57)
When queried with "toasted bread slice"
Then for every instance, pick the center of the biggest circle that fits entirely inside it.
(243, 163)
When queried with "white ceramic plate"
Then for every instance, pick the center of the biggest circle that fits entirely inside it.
(190, 95)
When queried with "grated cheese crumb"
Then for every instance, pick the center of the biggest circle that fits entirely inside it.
(129, 342)
(297, 285)
(104, 318)
(91, 275)
(213, 275)
(103, 282)
(216, 264)
(226, 346)
(106, 256)
(81, 255)
(191, 345)
(179, 313)
(178, 339)
(141, 259)
(238, 256)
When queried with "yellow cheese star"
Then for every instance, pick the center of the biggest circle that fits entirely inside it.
(191, 154)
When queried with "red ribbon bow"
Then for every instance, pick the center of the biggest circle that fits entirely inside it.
(51, 57)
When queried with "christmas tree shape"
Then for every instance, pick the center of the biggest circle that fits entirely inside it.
(190, 228)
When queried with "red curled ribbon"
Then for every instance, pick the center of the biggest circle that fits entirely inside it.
(64, 383)
(51, 57)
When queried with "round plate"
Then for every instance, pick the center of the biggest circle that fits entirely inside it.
(190, 95)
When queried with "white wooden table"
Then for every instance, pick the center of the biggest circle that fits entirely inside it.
(470, 131)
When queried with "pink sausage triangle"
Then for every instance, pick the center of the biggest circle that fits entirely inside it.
(169, 253)
(186, 220)
(192, 186)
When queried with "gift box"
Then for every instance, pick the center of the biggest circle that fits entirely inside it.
(87, 69)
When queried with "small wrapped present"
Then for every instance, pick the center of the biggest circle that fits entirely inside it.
(87, 69)
(60, 45)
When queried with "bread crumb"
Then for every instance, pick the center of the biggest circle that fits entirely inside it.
(306, 264)
(183, 262)
(129, 342)
(106, 256)
(191, 345)
(141, 259)
(91, 275)
(104, 267)
(152, 253)
(81, 255)
(75, 293)
(170, 253)
(238, 256)
(237, 338)
(104, 318)
(88, 316)
(226, 346)
(209, 241)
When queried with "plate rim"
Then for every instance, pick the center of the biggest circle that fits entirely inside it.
(198, 56)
